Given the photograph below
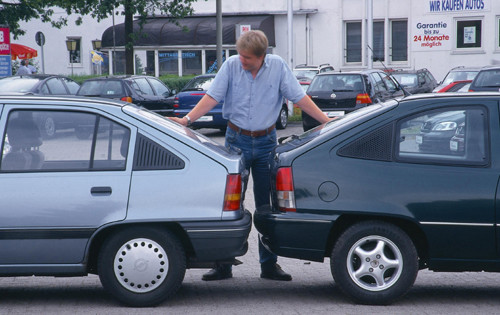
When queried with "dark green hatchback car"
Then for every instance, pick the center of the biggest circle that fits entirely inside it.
(361, 191)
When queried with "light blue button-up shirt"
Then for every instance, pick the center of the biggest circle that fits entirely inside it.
(254, 104)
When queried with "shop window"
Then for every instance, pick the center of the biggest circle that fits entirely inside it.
(191, 61)
(399, 40)
(469, 34)
(168, 62)
(118, 62)
(498, 32)
(353, 42)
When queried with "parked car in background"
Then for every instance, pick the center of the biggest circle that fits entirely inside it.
(456, 86)
(415, 81)
(119, 204)
(436, 132)
(488, 79)
(359, 191)
(310, 71)
(339, 93)
(184, 101)
(40, 84)
(146, 91)
(458, 74)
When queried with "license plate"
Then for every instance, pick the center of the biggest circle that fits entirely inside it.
(205, 118)
(453, 146)
(335, 114)
(419, 140)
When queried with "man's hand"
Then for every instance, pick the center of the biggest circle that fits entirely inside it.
(183, 121)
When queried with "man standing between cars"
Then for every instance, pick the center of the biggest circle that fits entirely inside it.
(252, 86)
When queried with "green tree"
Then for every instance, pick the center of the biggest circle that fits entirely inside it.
(101, 9)
(12, 12)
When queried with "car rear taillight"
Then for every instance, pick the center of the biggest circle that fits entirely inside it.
(232, 197)
(126, 99)
(284, 190)
(176, 102)
(363, 98)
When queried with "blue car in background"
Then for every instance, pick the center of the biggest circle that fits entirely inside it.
(195, 89)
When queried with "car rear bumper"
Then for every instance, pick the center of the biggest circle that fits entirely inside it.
(294, 235)
(219, 240)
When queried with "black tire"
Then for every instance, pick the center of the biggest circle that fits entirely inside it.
(282, 121)
(387, 255)
(142, 266)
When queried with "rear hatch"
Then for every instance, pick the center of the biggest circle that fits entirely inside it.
(337, 92)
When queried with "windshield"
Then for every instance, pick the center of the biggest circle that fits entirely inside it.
(406, 79)
(199, 84)
(16, 84)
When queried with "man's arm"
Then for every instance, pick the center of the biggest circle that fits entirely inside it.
(204, 106)
(307, 105)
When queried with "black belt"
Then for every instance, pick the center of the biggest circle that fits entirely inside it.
(255, 133)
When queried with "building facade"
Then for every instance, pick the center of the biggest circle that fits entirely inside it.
(433, 34)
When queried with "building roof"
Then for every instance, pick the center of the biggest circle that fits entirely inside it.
(191, 31)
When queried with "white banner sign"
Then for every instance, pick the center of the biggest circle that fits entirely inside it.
(447, 6)
(431, 34)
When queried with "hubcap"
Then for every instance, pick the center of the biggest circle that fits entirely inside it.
(141, 265)
(50, 126)
(374, 263)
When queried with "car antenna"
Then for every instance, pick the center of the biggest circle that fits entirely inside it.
(405, 92)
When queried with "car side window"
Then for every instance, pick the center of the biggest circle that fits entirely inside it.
(81, 142)
(71, 85)
(451, 136)
(379, 85)
(56, 87)
(160, 88)
(144, 86)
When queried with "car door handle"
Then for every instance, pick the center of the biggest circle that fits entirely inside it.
(101, 191)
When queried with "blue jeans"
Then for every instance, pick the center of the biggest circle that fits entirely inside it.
(256, 152)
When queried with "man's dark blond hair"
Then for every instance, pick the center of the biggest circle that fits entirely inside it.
(254, 42)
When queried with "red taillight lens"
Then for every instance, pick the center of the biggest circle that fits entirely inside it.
(176, 102)
(126, 99)
(232, 197)
(197, 94)
(363, 99)
(284, 190)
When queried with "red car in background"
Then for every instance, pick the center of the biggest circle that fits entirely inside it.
(454, 86)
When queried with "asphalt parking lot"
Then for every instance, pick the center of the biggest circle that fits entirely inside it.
(312, 290)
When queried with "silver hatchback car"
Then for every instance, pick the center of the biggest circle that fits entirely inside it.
(120, 192)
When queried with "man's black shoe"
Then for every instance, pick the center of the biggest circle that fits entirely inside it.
(274, 272)
(220, 272)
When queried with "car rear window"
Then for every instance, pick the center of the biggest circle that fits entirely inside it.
(337, 82)
(406, 79)
(101, 88)
(488, 78)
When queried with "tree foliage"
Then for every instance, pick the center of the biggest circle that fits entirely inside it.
(12, 12)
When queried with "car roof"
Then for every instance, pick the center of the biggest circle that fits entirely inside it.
(120, 77)
(314, 67)
(36, 76)
(462, 68)
(13, 97)
(350, 72)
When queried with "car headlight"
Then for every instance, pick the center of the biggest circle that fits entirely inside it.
(445, 126)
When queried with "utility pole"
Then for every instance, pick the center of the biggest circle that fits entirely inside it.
(218, 25)
(369, 35)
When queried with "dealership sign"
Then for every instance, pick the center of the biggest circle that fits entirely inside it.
(431, 34)
(447, 6)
